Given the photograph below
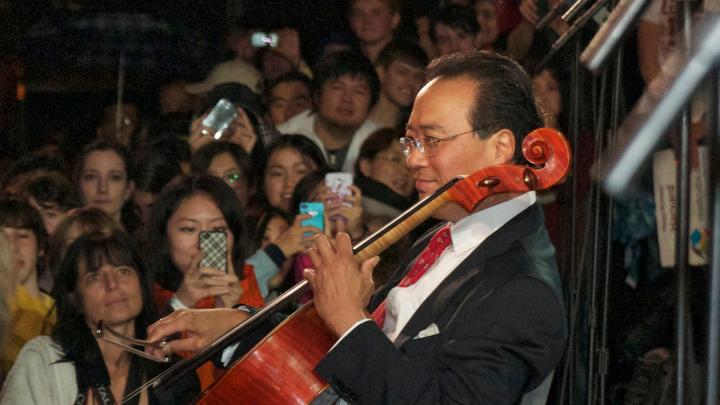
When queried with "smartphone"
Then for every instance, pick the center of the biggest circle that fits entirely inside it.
(220, 117)
(339, 184)
(213, 245)
(317, 210)
(263, 39)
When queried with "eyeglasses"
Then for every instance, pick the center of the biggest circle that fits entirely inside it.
(234, 180)
(428, 145)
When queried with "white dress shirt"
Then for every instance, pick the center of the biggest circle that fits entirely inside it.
(466, 234)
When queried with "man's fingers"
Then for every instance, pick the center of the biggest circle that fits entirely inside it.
(315, 257)
(177, 322)
(343, 243)
(309, 275)
(188, 344)
(368, 266)
(323, 246)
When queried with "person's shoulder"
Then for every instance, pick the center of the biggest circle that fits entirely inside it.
(302, 123)
(42, 344)
(369, 126)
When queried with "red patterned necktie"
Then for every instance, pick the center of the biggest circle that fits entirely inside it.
(438, 243)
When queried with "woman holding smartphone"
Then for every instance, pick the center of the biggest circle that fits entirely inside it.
(194, 205)
(181, 215)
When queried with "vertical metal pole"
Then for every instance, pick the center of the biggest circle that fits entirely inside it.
(603, 353)
(682, 154)
(713, 353)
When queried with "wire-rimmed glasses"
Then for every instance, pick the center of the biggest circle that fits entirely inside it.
(428, 145)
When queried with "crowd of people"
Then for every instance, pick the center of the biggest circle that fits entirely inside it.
(111, 236)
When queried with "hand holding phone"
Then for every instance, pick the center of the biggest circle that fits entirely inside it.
(261, 39)
(338, 184)
(316, 210)
(219, 118)
(213, 245)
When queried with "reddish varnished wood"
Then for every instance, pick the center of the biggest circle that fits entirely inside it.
(281, 373)
(546, 148)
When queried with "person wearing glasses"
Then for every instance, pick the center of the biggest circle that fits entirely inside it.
(386, 183)
(474, 314)
(101, 278)
(227, 161)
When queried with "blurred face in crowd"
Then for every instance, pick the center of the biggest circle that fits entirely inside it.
(388, 167)
(51, 215)
(401, 82)
(108, 128)
(143, 202)
(546, 90)
(373, 21)
(174, 98)
(344, 102)
(25, 251)
(104, 182)
(223, 166)
(111, 293)
(275, 227)
(451, 40)
(288, 99)
(486, 16)
(285, 168)
(195, 214)
(274, 65)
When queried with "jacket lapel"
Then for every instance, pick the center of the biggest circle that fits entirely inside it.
(469, 269)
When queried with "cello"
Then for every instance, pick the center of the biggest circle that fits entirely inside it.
(280, 371)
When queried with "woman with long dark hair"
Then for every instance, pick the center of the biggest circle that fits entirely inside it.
(102, 278)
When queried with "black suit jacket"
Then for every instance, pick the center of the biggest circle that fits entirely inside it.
(501, 322)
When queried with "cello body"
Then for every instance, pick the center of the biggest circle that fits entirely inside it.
(280, 369)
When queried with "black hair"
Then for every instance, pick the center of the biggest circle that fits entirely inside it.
(456, 17)
(53, 190)
(93, 251)
(30, 163)
(268, 214)
(404, 51)
(503, 93)
(378, 141)
(153, 170)
(166, 274)
(307, 148)
(393, 4)
(289, 77)
(17, 213)
(347, 62)
(203, 157)
(304, 190)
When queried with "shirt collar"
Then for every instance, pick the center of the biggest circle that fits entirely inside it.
(472, 230)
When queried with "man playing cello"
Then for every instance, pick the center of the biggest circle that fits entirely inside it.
(475, 315)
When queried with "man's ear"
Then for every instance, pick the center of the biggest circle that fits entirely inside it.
(364, 166)
(503, 143)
